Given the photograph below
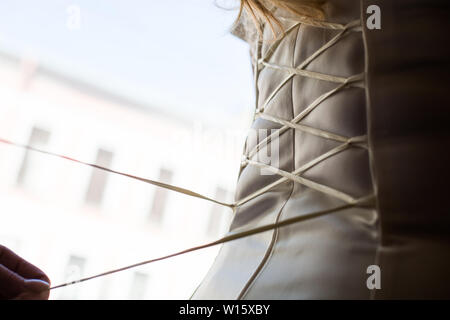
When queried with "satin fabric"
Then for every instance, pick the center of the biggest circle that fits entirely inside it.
(402, 108)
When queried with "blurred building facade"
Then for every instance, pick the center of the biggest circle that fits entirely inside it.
(74, 221)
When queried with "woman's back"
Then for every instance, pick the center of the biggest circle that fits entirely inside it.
(333, 133)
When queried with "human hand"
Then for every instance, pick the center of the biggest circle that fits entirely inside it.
(20, 279)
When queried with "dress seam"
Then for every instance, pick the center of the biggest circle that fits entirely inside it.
(271, 248)
(372, 293)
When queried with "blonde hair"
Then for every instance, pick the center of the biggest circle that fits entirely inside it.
(261, 10)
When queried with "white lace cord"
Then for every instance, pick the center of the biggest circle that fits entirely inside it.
(347, 142)
(317, 23)
(152, 182)
(299, 70)
(350, 201)
(294, 176)
(228, 238)
(350, 81)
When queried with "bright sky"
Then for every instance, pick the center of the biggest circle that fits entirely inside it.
(174, 54)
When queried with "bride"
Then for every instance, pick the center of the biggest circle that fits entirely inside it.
(358, 114)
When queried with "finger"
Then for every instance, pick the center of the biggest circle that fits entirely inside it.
(36, 290)
(31, 296)
(37, 286)
(20, 266)
(11, 284)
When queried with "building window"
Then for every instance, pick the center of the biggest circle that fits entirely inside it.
(99, 178)
(32, 162)
(74, 271)
(138, 286)
(218, 216)
(160, 197)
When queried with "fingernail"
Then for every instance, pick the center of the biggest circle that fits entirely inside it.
(36, 285)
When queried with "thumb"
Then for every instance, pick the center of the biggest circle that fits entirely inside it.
(36, 285)
(34, 289)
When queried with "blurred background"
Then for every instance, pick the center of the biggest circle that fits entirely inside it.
(158, 89)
